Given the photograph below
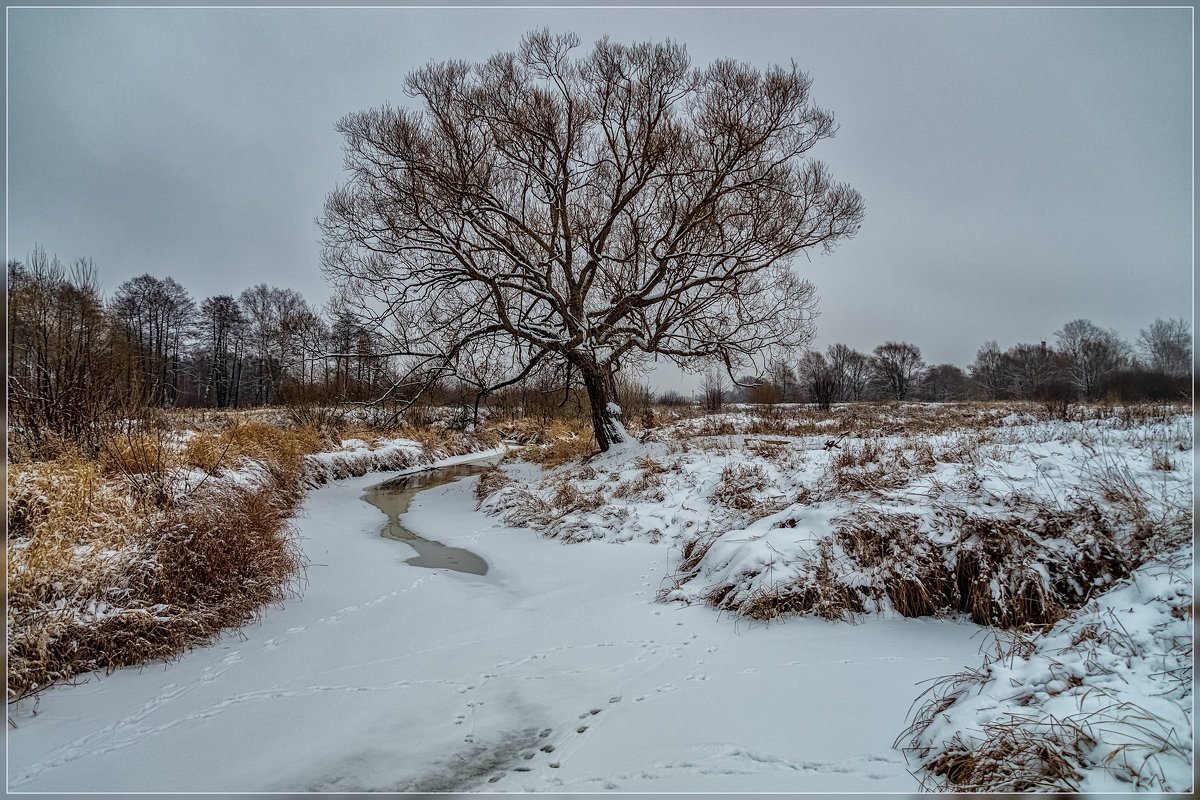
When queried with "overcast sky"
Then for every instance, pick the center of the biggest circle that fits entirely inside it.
(1020, 167)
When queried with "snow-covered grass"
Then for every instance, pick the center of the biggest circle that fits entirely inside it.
(1100, 702)
(1009, 515)
(1003, 513)
(99, 576)
(170, 536)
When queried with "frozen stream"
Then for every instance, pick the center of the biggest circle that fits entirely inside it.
(556, 671)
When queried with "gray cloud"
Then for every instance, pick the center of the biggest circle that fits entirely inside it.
(1021, 167)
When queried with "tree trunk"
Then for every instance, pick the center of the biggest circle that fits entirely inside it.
(599, 396)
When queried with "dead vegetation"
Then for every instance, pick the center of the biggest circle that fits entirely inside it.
(1012, 570)
(1056, 704)
(175, 531)
(103, 574)
(921, 539)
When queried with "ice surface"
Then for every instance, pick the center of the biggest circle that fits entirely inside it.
(555, 672)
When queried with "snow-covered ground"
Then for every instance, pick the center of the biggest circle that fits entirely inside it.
(555, 672)
(558, 671)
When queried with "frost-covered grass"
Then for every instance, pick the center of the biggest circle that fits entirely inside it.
(1100, 702)
(1008, 514)
(999, 512)
(178, 529)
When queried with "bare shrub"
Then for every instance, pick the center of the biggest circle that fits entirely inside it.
(327, 420)
(143, 453)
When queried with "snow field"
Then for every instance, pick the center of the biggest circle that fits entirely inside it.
(558, 671)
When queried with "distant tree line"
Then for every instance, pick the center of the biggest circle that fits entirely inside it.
(75, 357)
(1086, 362)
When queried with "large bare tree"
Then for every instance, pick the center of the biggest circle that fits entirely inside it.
(588, 211)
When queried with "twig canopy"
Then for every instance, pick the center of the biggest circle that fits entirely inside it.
(540, 210)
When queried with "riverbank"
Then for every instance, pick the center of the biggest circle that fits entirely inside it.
(178, 530)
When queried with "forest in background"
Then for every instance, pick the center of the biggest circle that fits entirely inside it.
(76, 357)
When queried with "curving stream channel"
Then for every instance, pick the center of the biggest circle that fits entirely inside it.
(393, 496)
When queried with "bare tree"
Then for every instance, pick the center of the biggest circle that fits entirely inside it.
(223, 335)
(1166, 346)
(156, 316)
(1091, 353)
(945, 383)
(587, 212)
(1030, 369)
(60, 376)
(990, 371)
(818, 379)
(896, 366)
(273, 319)
(851, 372)
(713, 390)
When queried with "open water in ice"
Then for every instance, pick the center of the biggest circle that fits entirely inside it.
(392, 498)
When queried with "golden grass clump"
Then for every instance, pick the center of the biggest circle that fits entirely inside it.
(280, 450)
(566, 443)
(740, 485)
(138, 451)
(101, 575)
(489, 483)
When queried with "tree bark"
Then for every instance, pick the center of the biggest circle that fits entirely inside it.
(600, 394)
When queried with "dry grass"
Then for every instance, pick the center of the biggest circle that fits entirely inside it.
(819, 590)
(558, 443)
(99, 580)
(489, 483)
(110, 564)
(1090, 665)
(648, 486)
(1033, 751)
(282, 451)
(980, 566)
(740, 486)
